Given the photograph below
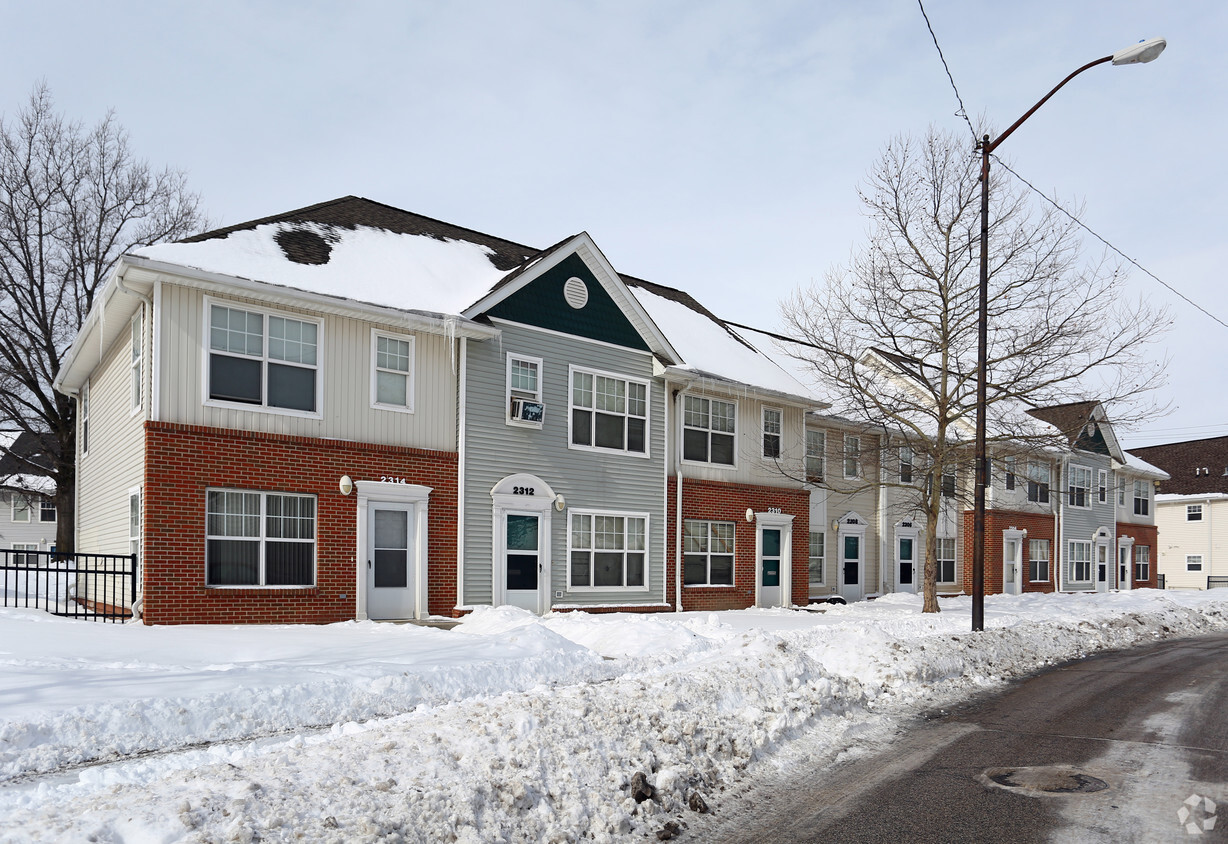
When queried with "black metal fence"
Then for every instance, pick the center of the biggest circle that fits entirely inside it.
(1217, 582)
(95, 587)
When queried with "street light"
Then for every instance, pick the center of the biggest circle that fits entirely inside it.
(1142, 52)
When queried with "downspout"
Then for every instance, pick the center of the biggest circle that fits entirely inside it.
(677, 427)
(138, 599)
(1058, 553)
(461, 386)
(886, 545)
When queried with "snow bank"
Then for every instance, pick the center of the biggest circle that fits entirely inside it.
(510, 728)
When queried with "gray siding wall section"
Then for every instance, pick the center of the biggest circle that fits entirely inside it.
(587, 479)
(1081, 523)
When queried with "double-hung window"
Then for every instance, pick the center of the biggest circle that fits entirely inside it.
(707, 553)
(1080, 556)
(607, 551)
(1008, 467)
(524, 391)
(905, 464)
(1142, 562)
(262, 359)
(772, 425)
(852, 456)
(1038, 560)
(1142, 498)
(46, 511)
(1038, 482)
(816, 558)
(608, 412)
(1193, 512)
(708, 430)
(134, 520)
(816, 443)
(21, 508)
(1102, 486)
(392, 372)
(945, 551)
(134, 365)
(948, 485)
(1193, 562)
(85, 417)
(259, 539)
(1078, 486)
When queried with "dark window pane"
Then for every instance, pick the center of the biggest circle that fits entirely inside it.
(905, 549)
(771, 572)
(722, 449)
(695, 445)
(722, 570)
(771, 543)
(521, 571)
(635, 435)
(608, 569)
(695, 572)
(391, 568)
(851, 574)
(610, 431)
(232, 562)
(288, 564)
(579, 568)
(292, 387)
(581, 427)
(852, 547)
(635, 569)
(771, 445)
(521, 533)
(234, 379)
(905, 574)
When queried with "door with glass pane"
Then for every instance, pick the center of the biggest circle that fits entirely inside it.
(906, 564)
(851, 567)
(769, 567)
(1012, 566)
(1103, 574)
(522, 574)
(1124, 564)
(390, 563)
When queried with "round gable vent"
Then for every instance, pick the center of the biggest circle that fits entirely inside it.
(575, 292)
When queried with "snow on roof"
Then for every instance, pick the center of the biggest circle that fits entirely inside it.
(1142, 467)
(38, 484)
(372, 265)
(709, 348)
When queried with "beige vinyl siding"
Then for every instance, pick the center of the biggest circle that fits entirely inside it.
(345, 386)
(750, 466)
(1179, 538)
(116, 458)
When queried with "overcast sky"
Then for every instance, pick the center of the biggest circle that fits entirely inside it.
(712, 146)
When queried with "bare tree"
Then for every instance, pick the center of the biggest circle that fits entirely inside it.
(893, 336)
(72, 200)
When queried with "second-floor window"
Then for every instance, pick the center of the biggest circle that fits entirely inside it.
(392, 376)
(608, 412)
(852, 457)
(816, 442)
(771, 432)
(1142, 498)
(1038, 482)
(21, 508)
(1008, 467)
(1078, 487)
(905, 464)
(46, 511)
(263, 359)
(1193, 512)
(1102, 486)
(135, 364)
(708, 430)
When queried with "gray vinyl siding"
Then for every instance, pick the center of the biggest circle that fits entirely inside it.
(345, 387)
(1079, 523)
(33, 532)
(589, 480)
(116, 458)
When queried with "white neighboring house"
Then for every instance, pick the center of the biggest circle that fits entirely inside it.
(1193, 540)
(27, 511)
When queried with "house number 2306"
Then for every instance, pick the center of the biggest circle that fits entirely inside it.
(523, 490)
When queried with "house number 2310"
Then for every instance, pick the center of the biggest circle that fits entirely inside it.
(523, 490)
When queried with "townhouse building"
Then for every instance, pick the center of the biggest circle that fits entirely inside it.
(27, 509)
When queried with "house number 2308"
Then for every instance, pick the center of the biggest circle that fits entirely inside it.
(523, 490)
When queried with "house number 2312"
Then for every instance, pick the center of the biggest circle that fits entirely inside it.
(523, 490)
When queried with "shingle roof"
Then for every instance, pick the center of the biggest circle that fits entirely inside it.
(1195, 466)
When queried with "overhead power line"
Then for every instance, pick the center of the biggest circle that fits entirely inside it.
(963, 112)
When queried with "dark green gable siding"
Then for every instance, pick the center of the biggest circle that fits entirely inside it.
(541, 304)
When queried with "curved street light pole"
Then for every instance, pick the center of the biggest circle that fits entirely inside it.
(1142, 52)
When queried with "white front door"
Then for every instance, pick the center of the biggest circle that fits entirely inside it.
(851, 568)
(522, 560)
(1012, 566)
(390, 562)
(1124, 564)
(906, 564)
(769, 567)
(1103, 573)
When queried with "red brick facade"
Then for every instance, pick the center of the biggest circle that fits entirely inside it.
(726, 502)
(1038, 526)
(1142, 535)
(182, 462)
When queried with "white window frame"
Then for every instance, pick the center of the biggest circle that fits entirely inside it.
(1142, 493)
(22, 555)
(708, 553)
(1142, 562)
(1193, 562)
(85, 418)
(906, 459)
(1010, 478)
(135, 366)
(773, 431)
(408, 374)
(1074, 474)
(626, 414)
(1193, 512)
(1102, 486)
(263, 539)
(511, 393)
(266, 314)
(821, 557)
(1040, 492)
(23, 514)
(816, 454)
(940, 559)
(852, 456)
(1121, 491)
(710, 432)
(134, 526)
(574, 515)
(44, 504)
(1036, 558)
(1074, 560)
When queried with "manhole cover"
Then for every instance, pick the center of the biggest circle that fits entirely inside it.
(1043, 780)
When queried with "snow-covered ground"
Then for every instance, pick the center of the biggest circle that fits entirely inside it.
(507, 728)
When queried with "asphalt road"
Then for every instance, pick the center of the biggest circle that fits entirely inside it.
(1148, 727)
